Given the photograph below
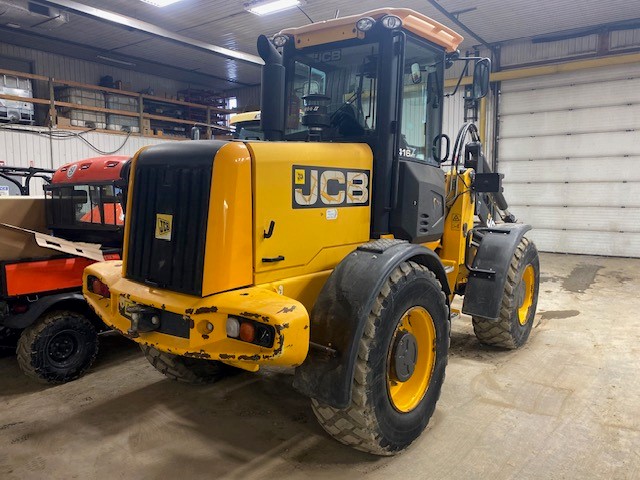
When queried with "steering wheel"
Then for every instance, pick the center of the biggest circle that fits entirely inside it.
(345, 119)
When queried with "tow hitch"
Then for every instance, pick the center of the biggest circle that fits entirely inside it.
(143, 319)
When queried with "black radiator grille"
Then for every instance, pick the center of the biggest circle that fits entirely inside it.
(180, 190)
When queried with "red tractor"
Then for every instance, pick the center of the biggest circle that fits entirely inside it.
(41, 302)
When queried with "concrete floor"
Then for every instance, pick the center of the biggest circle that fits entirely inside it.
(567, 405)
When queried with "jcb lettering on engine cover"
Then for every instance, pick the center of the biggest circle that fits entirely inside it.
(319, 187)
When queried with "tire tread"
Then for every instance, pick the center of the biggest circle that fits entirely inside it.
(498, 333)
(356, 426)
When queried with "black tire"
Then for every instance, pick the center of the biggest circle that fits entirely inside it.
(508, 331)
(372, 423)
(194, 371)
(9, 336)
(59, 347)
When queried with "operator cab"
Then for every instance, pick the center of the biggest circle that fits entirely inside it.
(333, 90)
(85, 201)
(381, 82)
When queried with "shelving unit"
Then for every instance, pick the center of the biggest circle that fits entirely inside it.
(155, 116)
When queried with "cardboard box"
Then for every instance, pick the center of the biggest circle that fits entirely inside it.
(24, 212)
(63, 122)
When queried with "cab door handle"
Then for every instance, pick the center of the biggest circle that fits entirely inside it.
(279, 258)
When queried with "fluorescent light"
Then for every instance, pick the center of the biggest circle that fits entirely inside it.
(115, 60)
(271, 6)
(160, 3)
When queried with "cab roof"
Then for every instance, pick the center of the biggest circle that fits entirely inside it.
(344, 28)
(244, 117)
(91, 170)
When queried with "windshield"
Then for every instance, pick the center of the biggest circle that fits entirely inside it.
(347, 80)
(84, 205)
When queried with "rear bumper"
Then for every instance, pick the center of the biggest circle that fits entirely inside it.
(203, 333)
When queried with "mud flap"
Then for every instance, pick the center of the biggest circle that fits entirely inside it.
(37, 308)
(488, 273)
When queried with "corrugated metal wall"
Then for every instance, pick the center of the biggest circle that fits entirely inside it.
(22, 149)
(66, 68)
(248, 97)
(525, 51)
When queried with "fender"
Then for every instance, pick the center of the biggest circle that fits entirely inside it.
(340, 312)
(37, 308)
(488, 273)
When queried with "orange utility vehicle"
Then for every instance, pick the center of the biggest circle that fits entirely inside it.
(41, 302)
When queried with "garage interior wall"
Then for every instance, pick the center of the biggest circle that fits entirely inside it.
(21, 149)
(67, 68)
(26, 149)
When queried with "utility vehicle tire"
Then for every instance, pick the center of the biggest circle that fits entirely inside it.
(194, 371)
(519, 301)
(59, 347)
(386, 413)
(9, 337)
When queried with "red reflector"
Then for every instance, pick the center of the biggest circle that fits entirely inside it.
(100, 288)
(19, 308)
(247, 332)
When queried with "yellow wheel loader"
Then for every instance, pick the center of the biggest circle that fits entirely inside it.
(335, 245)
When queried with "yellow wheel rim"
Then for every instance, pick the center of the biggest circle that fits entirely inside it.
(528, 284)
(405, 396)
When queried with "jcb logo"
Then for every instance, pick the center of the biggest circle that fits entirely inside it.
(163, 226)
(317, 187)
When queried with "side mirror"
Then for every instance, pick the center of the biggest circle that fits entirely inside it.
(481, 72)
(416, 74)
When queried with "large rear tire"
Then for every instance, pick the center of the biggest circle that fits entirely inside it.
(194, 371)
(58, 348)
(400, 366)
(519, 302)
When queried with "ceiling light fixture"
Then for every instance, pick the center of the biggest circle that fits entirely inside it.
(271, 6)
(115, 60)
(160, 3)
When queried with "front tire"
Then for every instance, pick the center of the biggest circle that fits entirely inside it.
(58, 348)
(194, 371)
(519, 302)
(400, 366)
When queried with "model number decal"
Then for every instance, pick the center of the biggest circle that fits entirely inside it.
(319, 187)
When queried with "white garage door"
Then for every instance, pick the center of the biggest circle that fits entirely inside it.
(569, 147)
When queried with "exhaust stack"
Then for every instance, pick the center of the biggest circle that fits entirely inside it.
(272, 91)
